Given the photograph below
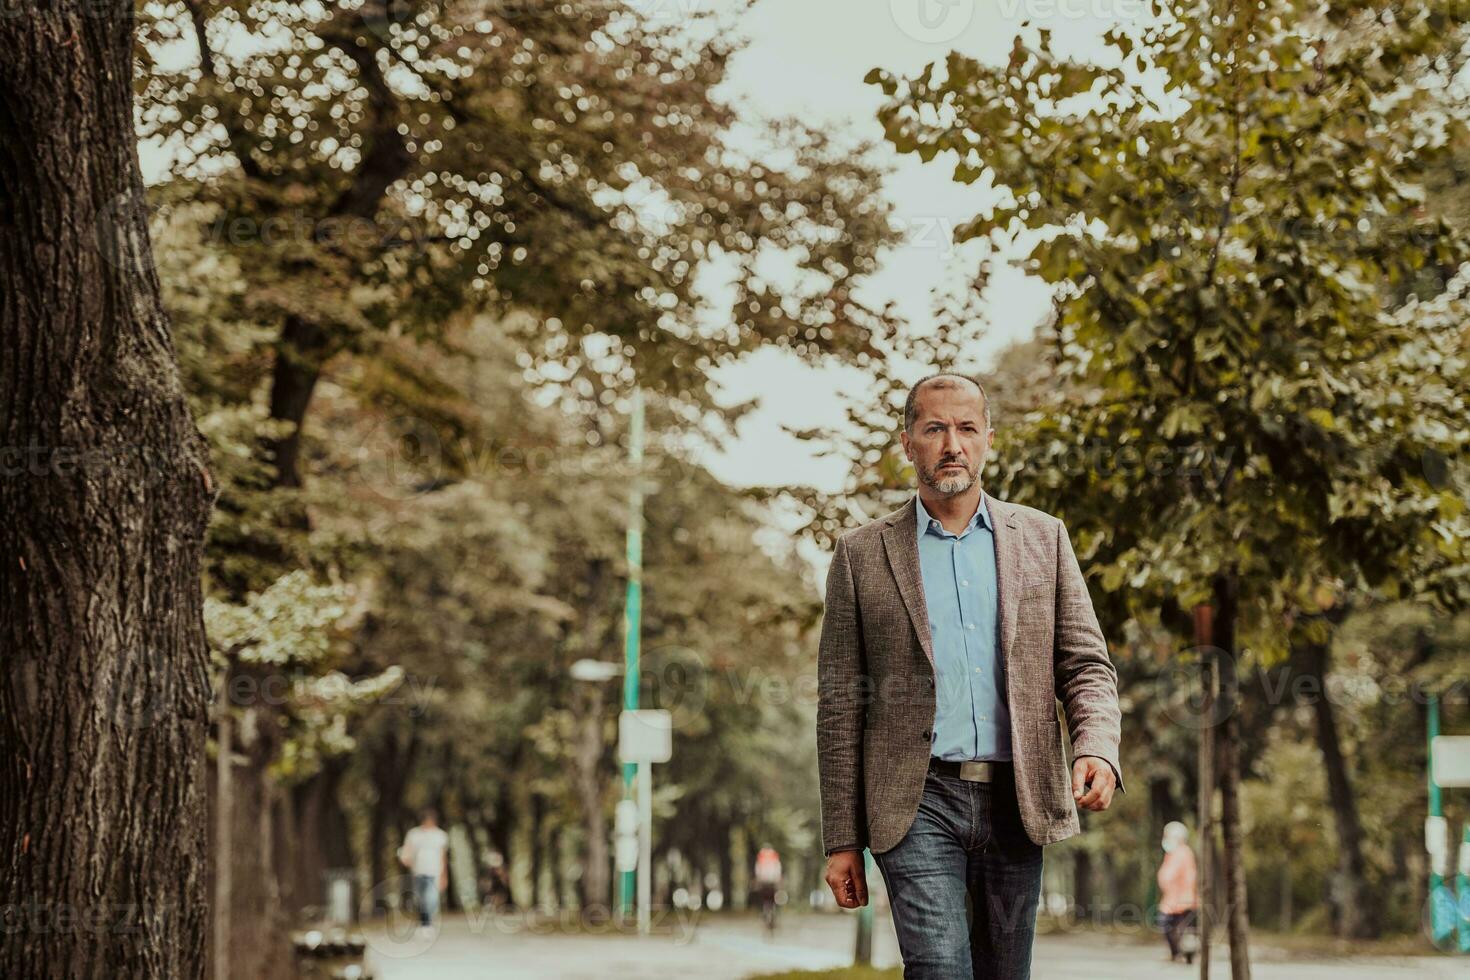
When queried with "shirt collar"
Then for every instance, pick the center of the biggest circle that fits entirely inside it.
(981, 515)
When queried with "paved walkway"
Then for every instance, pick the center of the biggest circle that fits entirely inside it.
(715, 948)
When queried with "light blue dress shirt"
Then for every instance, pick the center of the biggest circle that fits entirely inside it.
(971, 720)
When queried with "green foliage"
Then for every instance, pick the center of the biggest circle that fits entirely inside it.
(1223, 207)
(288, 623)
(385, 166)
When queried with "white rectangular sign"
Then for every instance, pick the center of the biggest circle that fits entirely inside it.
(1451, 760)
(645, 735)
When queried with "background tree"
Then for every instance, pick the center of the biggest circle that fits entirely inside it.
(376, 171)
(1255, 424)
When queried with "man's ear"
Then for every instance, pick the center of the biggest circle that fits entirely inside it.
(908, 449)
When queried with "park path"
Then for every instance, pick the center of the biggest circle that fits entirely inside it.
(710, 948)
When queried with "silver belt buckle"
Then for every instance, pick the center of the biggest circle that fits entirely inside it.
(975, 772)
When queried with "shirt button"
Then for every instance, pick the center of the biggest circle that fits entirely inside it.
(969, 626)
(965, 581)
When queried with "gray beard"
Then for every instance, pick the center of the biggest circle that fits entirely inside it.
(949, 485)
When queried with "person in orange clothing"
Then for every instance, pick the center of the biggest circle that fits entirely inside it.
(1178, 887)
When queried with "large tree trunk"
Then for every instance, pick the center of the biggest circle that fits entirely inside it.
(105, 493)
(1353, 906)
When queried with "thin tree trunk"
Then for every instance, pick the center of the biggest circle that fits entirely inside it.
(538, 849)
(105, 493)
(223, 842)
(1209, 686)
(589, 753)
(1237, 918)
(1353, 906)
(560, 898)
(1082, 897)
(504, 835)
(726, 860)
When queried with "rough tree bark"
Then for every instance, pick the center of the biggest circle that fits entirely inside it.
(106, 492)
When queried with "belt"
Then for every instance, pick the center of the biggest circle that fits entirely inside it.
(974, 772)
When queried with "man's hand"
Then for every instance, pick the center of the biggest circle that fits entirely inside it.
(1093, 783)
(847, 879)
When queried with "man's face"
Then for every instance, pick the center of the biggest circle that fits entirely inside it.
(949, 441)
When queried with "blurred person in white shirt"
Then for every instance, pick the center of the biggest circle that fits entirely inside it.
(425, 852)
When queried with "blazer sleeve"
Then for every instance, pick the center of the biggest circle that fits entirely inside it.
(1086, 680)
(841, 710)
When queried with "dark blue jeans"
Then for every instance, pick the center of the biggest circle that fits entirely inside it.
(964, 882)
(426, 896)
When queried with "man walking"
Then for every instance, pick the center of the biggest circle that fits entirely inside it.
(952, 627)
(425, 853)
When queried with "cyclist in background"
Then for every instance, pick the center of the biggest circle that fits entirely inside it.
(768, 883)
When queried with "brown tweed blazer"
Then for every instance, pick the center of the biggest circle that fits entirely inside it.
(875, 677)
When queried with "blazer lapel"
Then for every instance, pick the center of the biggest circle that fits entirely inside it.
(900, 541)
(1008, 550)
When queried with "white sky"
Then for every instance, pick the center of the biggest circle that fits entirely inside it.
(807, 58)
